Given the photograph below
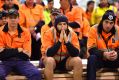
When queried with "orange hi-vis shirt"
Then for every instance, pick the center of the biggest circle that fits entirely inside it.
(1, 3)
(84, 30)
(96, 40)
(75, 14)
(13, 41)
(29, 17)
(88, 16)
(50, 38)
(43, 30)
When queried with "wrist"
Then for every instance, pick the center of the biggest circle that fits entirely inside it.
(104, 56)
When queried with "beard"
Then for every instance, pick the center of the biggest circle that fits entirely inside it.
(107, 30)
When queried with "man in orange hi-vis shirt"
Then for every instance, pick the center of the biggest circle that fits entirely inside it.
(30, 14)
(103, 45)
(75, 15)
(61, 49)
(54, 13)
(15, 49)
(31, 17)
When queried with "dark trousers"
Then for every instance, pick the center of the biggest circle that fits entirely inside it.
(36, 52)
(22, 67)
(95, 63)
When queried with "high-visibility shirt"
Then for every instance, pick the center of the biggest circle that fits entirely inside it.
(47, 16)
(96, 40)
(43, 30)
(29, 17)
(1, 3)
(84, 29)
(13, 41)
(75, 14)
(88, 16)
(50, 38)
(99, 12)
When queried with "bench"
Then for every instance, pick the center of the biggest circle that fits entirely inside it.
(103, 74)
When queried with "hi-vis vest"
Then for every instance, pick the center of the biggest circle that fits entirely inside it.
(96, 40)
(50, 38)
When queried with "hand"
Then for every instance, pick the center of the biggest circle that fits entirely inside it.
(32, 29)
(34, 35)
(38, 36)
(1, 49)
(106, 55)
(65, 36)
(20, 50)
(61, 36)
(113, 55)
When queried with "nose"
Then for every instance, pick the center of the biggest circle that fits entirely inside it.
(108, 24)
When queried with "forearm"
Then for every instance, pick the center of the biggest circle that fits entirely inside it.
(8, 53)
(72, 50)
(95, 51)
(53, 50)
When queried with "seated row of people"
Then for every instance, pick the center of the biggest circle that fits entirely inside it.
(61, 46)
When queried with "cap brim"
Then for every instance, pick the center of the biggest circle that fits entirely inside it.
(55, 13)
(13, 14)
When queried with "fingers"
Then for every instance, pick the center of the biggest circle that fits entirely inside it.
(61, 36)
(113, 56)
(20, 49)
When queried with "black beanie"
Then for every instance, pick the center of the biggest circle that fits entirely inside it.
(109, 15)
(60, 18)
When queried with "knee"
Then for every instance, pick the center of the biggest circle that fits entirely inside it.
(77, 61)
(49, 62)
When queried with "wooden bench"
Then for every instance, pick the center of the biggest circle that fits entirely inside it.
(103, 74)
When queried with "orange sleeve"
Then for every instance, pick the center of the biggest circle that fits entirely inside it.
(21, 17)
(75, 41)
(43, 30)
(27, 42)
(1, 40)
(86, 27)
(47, 40)
(41, 14)
(78, 15)
(92, 38)
(1, 3)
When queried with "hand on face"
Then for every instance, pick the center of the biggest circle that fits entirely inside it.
(63, 36)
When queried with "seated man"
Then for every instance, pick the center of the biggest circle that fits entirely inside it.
(15, 49)
(61, 49)
(103, 45)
